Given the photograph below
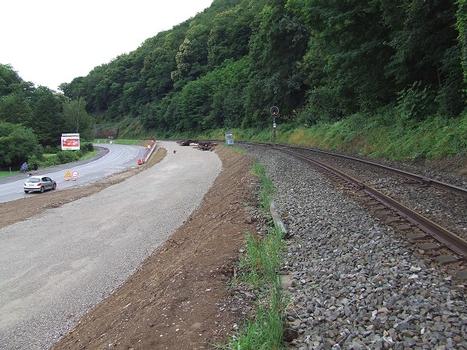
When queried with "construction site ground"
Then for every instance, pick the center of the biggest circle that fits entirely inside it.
(180, 297)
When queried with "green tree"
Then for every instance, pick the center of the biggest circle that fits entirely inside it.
(462, 28)
(192, 55)
(316, 59)
(229, 36)
(76, 119)
(10, 81)
(47, 116)
(17, 144)
(15, 108)
(276, 47)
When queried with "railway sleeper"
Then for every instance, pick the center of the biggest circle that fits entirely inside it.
(417, 236)
(447, 259)
(430, 247)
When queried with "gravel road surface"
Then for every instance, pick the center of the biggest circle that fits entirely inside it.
(118, 158)
(357, 284)
(57, 265)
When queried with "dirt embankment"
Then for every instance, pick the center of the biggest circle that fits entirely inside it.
(176, 300)
(22, 209)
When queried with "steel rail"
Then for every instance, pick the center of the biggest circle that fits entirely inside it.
(396, 170)
(442, 235)
(423, 179)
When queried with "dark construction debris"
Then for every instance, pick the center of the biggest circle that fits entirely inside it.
(202, 145)
(186, 142)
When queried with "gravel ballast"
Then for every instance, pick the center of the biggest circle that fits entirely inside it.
(357, 284)
(443, 206)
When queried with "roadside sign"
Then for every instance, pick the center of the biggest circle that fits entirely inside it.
(68, 175)
(70, 142)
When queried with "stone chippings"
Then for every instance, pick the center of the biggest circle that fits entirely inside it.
(442, 206)
(356, 284)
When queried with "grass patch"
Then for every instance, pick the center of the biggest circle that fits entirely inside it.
(262, 259)
(62, 157)
(259, 267)
(49, 155)
(265, 332)
(384, 134)
(89, 155)
(267, 187)
(121, 141)
(6, 173)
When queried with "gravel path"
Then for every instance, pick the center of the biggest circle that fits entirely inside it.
(57, 265)
(356, 284)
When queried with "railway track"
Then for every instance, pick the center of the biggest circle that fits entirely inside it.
(419, 178)
(447, 247)
(407, 174)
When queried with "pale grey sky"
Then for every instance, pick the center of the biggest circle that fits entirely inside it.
(50, 42)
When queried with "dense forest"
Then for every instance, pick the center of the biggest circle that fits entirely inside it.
(318, 60)
(33, 118)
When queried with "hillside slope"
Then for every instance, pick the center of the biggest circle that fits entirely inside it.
(319, 61)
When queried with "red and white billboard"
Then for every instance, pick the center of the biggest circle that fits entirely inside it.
(70, 142)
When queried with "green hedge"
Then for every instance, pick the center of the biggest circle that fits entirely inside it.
(60, 157)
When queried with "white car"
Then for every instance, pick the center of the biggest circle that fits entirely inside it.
(39, 184)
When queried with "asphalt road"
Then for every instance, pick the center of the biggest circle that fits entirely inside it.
(118, 158)
(57, 265)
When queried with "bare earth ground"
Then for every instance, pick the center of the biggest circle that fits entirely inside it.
(21, 209)
(176, 300)
(456, 165)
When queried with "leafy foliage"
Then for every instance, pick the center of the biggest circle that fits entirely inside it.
(76, 118)
(36, 116)
(462, 28)
(17, 143)
(318, 60)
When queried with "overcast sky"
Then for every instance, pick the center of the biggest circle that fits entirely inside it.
(50, 42)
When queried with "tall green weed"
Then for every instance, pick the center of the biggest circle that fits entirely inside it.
(259, 268)
(389, 134)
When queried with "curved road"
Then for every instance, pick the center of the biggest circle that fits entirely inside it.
(117, 159)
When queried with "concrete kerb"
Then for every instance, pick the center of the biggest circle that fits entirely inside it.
(277, 219)
(285, 278)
